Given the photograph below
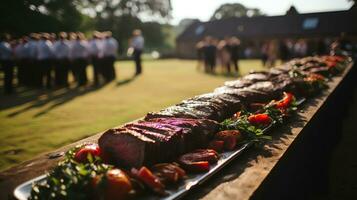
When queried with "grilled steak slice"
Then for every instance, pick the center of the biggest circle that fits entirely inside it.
(157, 140)
(213, 111)
(168, 137)
(200, 130)
(128, 148)
(248, 80)
(176, 111)
(228, 103)
(205, 126)
(246, 95)
(187, 110)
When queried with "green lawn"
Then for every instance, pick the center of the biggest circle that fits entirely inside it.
(36, 121)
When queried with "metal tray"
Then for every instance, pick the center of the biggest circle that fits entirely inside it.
(22, 192)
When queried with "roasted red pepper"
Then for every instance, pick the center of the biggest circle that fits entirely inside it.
(169, 173)
(199, 160)
(286, 101)
(259, 119)
(230, 138)
(216, 145)
(149, 179)
(200, 166)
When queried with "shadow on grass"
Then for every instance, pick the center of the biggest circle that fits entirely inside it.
(125, 81)
(41, 97)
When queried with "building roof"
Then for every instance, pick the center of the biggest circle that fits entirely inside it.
(265, 27)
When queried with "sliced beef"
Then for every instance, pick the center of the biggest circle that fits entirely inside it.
(228, 103)
(177, 111)
(166, 135)
(195, 110)
(127, 147)
(248, 80)
(246, 95)
(156, 140)
(213, 110)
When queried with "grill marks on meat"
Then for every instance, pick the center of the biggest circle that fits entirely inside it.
(259, 87)
(157, 140)
(196, 109)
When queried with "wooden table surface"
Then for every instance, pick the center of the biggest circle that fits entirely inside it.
(239, 180)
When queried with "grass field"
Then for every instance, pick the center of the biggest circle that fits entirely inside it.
(36, 121)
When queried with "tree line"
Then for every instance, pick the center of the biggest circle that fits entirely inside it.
(22, 17)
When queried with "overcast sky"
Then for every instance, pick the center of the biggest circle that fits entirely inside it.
(203, 9)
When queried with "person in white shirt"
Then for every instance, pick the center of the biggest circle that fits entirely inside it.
(44, 56)
(94, 46)
(33, 68)
(110, 48)
(137, 44)
(80, 56)
(19, 52)
(61, 51)
(6, 62)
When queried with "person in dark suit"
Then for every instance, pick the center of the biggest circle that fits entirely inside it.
(234, 47)
(210, 53)
(137, 44)
(7, 63)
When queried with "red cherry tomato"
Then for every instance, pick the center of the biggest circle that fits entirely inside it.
(82, 154)
(286, 101)
(116, 185)
(259, 119)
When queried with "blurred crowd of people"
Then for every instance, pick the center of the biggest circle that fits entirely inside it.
(44, 60)
(225, 53)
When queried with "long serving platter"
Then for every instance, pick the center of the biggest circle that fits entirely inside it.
(23, 191)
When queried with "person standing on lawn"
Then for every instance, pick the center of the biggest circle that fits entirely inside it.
(19, 54)
(137, 44)
(93, 45)
(7, 63)
(234, 46)
(61, 50)
(80, 55)
(44, 56)
(110, 48)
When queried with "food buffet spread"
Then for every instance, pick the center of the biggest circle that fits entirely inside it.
(168, 152)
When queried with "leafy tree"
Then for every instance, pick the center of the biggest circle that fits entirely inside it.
(234, 10)
(20, 17)
(123, 16)
(23, 16)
